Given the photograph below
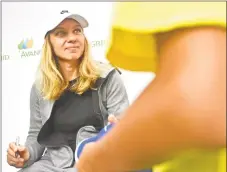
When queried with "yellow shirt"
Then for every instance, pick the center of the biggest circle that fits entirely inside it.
(195, 161)
(132, 46)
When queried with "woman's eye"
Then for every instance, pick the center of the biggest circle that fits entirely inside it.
(60, 33)
(78, 30)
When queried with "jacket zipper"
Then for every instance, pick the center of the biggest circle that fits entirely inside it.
(99, 97)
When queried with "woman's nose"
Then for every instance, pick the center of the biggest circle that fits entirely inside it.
(72, 37)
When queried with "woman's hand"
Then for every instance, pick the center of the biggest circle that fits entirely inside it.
(22, 157)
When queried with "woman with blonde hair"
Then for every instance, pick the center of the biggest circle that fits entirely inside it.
(71, 100)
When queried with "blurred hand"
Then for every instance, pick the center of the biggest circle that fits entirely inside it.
(21, 159)
(112, 119)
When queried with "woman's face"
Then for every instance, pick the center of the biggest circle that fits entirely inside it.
(68, 40)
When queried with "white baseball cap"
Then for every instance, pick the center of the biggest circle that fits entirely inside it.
(62, 15)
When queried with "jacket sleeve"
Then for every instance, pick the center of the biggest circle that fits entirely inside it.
(117, 98)
(35, 149)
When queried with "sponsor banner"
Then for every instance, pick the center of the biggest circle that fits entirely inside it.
(26, 49)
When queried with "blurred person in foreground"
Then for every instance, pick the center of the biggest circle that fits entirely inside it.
(178, 123)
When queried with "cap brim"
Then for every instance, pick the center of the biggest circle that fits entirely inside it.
(81, 20)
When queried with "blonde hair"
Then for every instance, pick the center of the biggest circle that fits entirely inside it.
(50, 80)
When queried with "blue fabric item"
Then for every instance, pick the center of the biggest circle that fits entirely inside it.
(81, 145)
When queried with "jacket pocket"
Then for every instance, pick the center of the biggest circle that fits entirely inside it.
(61, 157)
